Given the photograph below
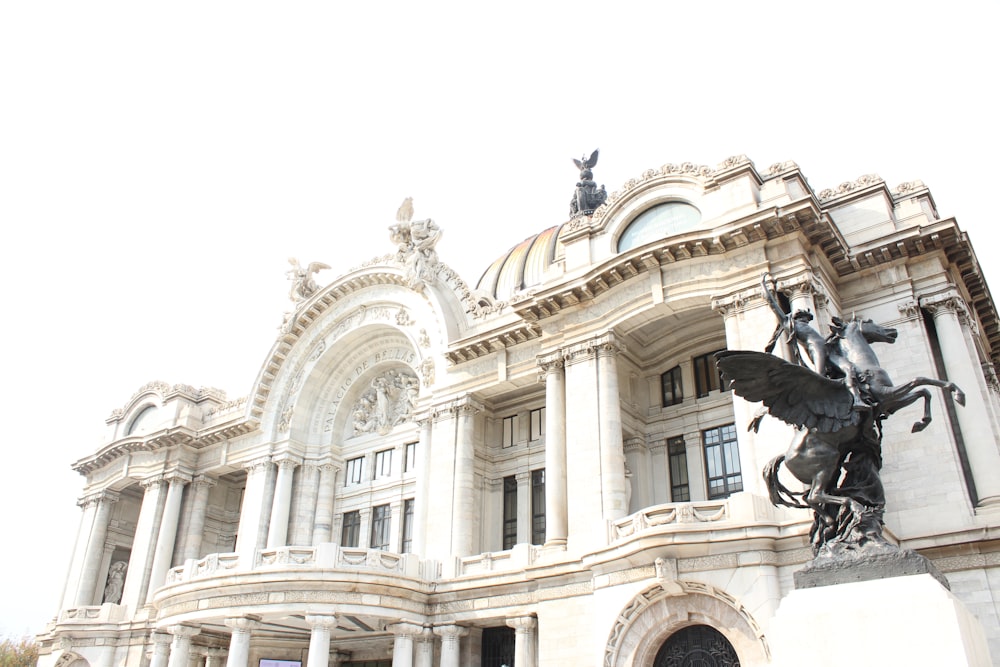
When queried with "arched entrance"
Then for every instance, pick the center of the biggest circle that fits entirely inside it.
(696, 646)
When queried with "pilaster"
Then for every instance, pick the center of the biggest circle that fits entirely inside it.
(556, 527)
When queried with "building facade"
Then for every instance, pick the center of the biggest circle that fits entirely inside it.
(543, 469)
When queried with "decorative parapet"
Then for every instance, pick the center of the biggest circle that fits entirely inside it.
(105, 613)
(669, 515)
(848, 187)
(520, 557)
(323, 556)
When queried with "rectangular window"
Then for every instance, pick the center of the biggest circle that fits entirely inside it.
(380, 527)
(706, 374)
(673, 391)
(537, 423)
(406, 543)
(410, 457)
(355, 469)
(509, 428)
(538, 506)
(722, 461)
(350, 532)
(509, 512)
(679, 489)
(383, 464)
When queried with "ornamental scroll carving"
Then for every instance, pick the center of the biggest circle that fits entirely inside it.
(387, 403)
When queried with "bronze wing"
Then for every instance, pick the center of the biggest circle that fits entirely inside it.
(794, 394)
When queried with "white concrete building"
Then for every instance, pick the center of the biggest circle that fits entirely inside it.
(540, 470)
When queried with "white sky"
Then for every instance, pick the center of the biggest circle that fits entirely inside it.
(159, 162)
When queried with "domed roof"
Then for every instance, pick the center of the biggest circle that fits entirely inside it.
(522, 266)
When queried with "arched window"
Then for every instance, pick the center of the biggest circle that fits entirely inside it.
(142, 421)
(661, 221)
(696, 646)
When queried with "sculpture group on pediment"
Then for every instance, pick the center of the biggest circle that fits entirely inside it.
(587, 196)
(303, 283)
(415, 241)
(388, 402)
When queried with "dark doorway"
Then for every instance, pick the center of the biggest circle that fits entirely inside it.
(498, 647)
(697, 646)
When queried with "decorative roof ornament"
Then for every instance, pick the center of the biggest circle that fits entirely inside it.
(415, 241)
(588, 196)
(303, 284)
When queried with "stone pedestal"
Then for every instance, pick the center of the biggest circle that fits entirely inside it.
(903, 620)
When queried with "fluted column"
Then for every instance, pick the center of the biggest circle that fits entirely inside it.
(450, 644)
(973, 418)
(277, 535)
(146, 531)
(323, 521)
(524, 640)
(319, 638)
(425, 648)
(215, 657)
(465, 512)
(305, 505)
(402, 648)
(180, 649)
(201, 487)
(253, 508)
(94, 554)
(161, 649)
(420, 499)
(610, 411)
(555, 449)
(164, 552)
(239, 642)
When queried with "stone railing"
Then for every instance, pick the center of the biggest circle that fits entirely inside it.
(105, 613)
(520, 556)
(322, 556)
(679, 515)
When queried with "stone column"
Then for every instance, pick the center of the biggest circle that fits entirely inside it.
(214, 657)
(239, 642)
(201, 488)
(425, 648)
(465, 511)
(423, 484)
(659, 465)
(72, 582)
(402, 648)
(146, 531)
(555, 449)
(161, 649)
(107, 656)
(524, 640)
(323, 521)
(180, 649)
(523, 507)
(94, 554)
(610, 411)
(637, 479)
(450, 644)
(164, 552)
(277, 535)
(585, 521)
(973, 419)
(319, 638)
(253, 507)
(305, 506)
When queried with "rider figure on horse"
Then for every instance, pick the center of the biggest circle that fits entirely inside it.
(797, 327)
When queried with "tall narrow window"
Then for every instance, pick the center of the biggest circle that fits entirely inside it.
(679, 489)
(355, 469)
(410, 457)
(722, 461)
(406, 541)
(509, 512)
(538, 506)
(537, 424)
(508, 436)
(350, 532)
(706, 374)
(673, 391)
(383, 464)
(380, 527)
